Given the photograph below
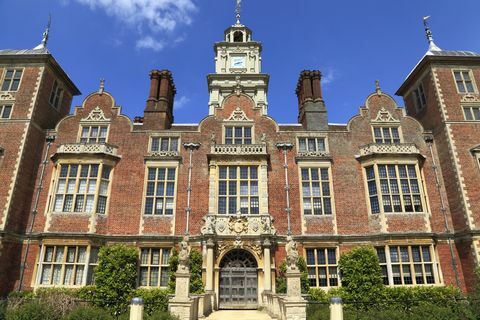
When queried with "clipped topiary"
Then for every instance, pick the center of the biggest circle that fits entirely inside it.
(161, 315)
(361, 276)
(154, 300)
(115, 278)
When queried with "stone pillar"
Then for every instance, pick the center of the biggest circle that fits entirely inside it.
(336, 309)
(181, 305)
(294, 287)
(136, 309)
(267, 268)
(209, 275)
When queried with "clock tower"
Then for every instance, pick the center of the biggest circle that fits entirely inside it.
(238, 66)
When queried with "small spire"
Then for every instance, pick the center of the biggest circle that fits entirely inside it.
(378, 90)
(428, 32)
(238, 11)
(46, 33)
(102, 86)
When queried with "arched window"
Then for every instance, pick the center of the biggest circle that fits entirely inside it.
(238, 36)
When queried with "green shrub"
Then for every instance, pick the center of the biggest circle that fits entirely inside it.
(155, 300)
(115, 278)
(281, 280)
(88, 313)
(32, 310)
(196, 282)
(3, 309)
(161, 315)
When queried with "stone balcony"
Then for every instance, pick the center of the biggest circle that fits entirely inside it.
(238, 225)
(389, 149)
(89, 149)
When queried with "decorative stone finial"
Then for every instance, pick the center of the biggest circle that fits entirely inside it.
(238, 11)
(378, 90)
(428, 33)
(46, 33)
(102, 86)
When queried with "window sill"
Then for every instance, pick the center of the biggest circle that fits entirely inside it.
(158, 215)
(403, 213)
(77, 214)
(319, 216)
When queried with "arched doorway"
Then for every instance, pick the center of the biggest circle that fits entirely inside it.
(238, 281)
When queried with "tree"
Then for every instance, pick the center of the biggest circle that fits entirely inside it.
(115, 278)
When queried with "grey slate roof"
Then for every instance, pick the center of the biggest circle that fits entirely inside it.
(10, 52)
(449, 53)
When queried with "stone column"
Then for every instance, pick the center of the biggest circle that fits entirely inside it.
(209, 275)
(267, 268)
(336, 309)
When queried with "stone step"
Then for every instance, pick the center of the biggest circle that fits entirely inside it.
(238, 314)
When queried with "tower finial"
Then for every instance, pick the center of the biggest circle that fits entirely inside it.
(238, 11)
(428, 32)
(46, 33)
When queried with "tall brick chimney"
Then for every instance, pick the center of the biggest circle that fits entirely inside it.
(312, 113)
(158, 114)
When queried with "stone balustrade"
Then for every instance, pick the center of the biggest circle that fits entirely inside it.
(279, 307)
(396, 148)
(239, 149)
(81, 148)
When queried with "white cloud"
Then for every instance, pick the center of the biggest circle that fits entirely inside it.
(150, 43)
(329, 76)
(148, 17)
(181, 102)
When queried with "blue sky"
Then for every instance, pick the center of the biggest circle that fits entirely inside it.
(352, 42)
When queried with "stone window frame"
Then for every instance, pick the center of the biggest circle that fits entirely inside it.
(307, 144)
(91, 125)
(2, 110)
(388, 126)
(472, 80)
(262, 181)
(161, 138)
(99, 179)
(421, 185)
(238, 196)
(163, 267)
(87, 264)
(470, 107)
(327, 265)
(234, 137)
(160, 165)
(316, 165)
(419, 97)
(387, 265)
(15, 69)
(56, 95)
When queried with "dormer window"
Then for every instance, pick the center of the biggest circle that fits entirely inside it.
(311, 145)
(238, 135)
(94, 134)
(161, 144)
(387, 135)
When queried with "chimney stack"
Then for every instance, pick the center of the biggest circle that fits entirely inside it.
(312, 113)
(158, 114)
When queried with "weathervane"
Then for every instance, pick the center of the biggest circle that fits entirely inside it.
(428, 32)
(46, 33)
(238, 11)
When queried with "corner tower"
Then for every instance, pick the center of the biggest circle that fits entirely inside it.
(238, 66)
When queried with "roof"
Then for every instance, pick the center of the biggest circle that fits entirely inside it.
(10, 52)
(437, 54)
(39, 53)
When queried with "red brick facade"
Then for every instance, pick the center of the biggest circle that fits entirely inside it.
(350, 165)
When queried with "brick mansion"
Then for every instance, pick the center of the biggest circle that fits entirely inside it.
(404, 180)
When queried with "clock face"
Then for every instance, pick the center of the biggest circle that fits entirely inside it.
(238, 62)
